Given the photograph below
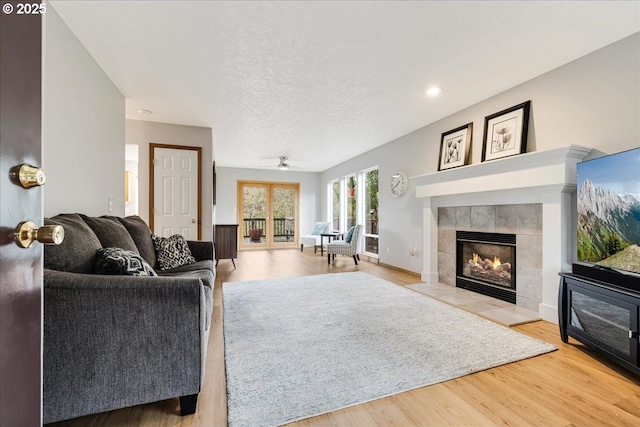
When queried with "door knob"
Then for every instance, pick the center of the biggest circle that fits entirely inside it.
(26, 233)
(193, 220)
(30, 176)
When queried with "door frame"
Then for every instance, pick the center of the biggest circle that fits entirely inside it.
(269, 243)
(152, 147)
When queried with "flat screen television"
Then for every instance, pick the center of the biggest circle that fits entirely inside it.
(608, 213)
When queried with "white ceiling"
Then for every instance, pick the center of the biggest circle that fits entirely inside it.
(322, 82)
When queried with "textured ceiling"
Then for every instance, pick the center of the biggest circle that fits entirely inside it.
(322, 82)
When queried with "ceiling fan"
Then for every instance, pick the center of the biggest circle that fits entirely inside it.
(284, 164)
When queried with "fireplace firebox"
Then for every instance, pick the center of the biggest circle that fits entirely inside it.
(486, 263)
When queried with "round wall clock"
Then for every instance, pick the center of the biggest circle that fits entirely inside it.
(398, 183)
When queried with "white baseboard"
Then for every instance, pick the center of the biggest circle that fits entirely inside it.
(548, 313)
(429, 277)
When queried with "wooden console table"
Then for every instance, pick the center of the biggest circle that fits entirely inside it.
(226, 242)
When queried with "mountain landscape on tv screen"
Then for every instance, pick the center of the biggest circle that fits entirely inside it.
(608, 227)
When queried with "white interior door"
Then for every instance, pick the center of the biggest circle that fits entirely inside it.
(175, 200)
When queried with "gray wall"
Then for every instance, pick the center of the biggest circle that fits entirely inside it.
(83, 128)
(592, 101)
(142, 133)
(227, 193)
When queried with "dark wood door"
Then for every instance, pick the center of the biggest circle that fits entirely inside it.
(20, 269)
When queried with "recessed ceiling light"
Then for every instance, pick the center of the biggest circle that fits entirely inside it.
(145, 112)
(434, 90)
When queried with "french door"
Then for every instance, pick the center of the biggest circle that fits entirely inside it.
(268, 214)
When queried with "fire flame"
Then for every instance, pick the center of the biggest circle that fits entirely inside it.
(496, 262)
(476, 258)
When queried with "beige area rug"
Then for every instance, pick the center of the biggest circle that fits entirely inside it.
(304, 346)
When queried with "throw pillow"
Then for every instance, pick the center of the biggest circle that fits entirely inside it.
(110, 232)
(318, 229)
(141, 235)
(77, 252)
(172, 252)
(349, 235)
(122, 262)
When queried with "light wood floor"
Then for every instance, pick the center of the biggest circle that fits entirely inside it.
(569, 387)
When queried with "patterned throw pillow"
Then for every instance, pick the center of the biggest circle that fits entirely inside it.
(172, 251)
(122, 262)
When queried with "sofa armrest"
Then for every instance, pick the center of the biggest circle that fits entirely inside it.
(201, 250)
(116, 341)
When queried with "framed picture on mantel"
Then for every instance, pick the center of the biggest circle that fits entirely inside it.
(454, 147)
(505, 132)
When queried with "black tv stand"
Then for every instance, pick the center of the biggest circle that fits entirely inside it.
(601, 315)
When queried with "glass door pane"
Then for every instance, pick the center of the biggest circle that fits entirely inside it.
(605, 319)
(254, 208)
(284, 218)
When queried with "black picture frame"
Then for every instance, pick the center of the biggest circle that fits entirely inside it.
(455, 146)
(505, 132)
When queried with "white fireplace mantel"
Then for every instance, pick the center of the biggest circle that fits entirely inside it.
(547, 177)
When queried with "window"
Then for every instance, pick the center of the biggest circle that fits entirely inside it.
(333, 192)
(353, 199)
(352, 202)
(370, 211)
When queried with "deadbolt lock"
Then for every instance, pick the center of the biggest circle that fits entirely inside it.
(31, 176)
(26, 233)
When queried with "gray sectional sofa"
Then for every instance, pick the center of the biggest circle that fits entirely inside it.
(112, 339)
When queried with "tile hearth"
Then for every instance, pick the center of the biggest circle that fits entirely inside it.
(484, 306)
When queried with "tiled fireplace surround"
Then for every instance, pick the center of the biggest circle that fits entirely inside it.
(531, 195)
(523, 220)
